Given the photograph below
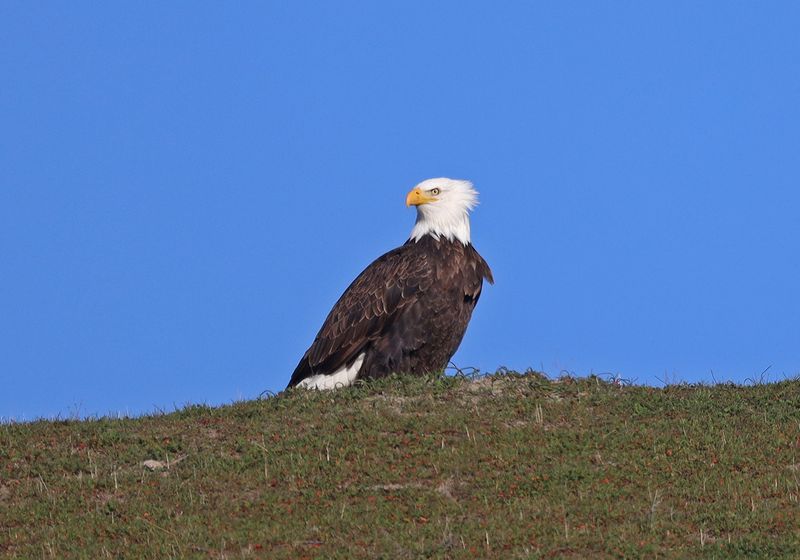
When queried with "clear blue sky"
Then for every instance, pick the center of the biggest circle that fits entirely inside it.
(187, 187)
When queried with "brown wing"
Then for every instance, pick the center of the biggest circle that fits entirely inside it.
(368, 306)
(473, 285)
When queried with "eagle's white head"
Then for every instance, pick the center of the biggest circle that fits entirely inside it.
(443, 207)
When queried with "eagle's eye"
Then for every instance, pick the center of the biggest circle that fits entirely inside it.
(434, 192)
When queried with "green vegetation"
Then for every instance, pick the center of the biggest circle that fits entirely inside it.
(504, 466)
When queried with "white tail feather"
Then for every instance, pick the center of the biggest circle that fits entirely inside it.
(339, 378)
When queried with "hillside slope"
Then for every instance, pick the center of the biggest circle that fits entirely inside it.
(506, 466)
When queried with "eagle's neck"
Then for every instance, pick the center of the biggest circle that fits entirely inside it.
(439, 225)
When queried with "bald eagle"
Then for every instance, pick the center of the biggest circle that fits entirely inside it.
(406, 312)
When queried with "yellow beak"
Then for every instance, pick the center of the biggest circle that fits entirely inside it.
(417, 197)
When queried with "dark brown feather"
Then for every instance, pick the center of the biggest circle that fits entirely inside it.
(407, 312)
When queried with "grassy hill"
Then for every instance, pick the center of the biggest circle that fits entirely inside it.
(504, 466)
